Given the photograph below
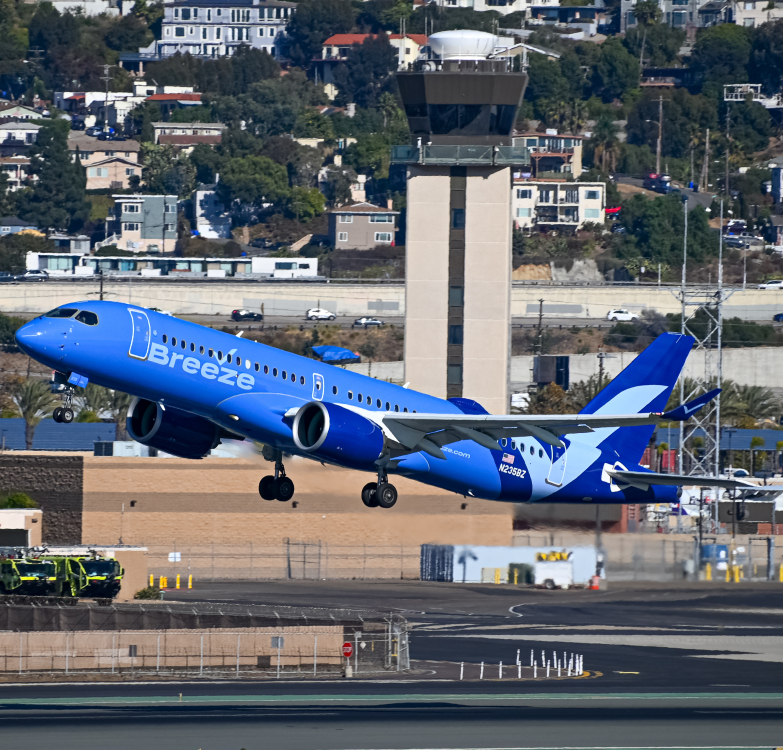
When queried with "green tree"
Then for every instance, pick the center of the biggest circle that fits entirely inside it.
(605, 144)
(8, 327)
(192, 114)
(312, 124)
(128, 33)
(661, 41)
(17, 500)
(254, 180)
(337, 187)
(370, 154)
(646, 12)
(314, 22)
(305, 203)
(551, 399)
(721, 55)
(34, 402)
(57, 199)
(7, 197)
(366, 71)
(766, 56)
(617, 71)
(14, 249)
(166, 172)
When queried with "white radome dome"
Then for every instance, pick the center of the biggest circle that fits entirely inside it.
(463, 44)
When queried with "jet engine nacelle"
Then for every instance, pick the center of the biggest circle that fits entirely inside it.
(171, 430)
(332, 432)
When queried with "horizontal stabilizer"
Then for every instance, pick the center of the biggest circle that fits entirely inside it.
(685, 411)
(643, 479)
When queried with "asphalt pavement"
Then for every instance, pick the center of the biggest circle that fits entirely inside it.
(694, 198)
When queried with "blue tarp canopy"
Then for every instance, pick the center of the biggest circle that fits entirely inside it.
(53, 436)
(336, 354)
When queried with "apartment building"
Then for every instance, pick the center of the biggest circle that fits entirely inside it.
(143, 223)
(185, 136)
(17, 171)
(109, 164)
(216, 28)
(504, 7)
(677, 13)
(16, 136)
(756, 12)
(551, 152)
(361, 226)
(557, 205)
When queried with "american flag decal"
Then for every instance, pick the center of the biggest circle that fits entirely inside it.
(508, 458)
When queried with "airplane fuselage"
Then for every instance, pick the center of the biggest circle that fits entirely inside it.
(252, 390)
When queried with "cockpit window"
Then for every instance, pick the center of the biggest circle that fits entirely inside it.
(61, 312)
(88, 318)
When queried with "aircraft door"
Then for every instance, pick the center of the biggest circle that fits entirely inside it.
(140, 337)
(318, 387)
(558, 467)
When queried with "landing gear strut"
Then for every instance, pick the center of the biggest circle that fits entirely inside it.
(64, 413)
(379, 494)
(277, 487)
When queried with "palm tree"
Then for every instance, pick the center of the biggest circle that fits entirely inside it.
(646, 12)
(758, 403)
(34, 401)
(605, 143)
(94, 399)
(577, 116)
(118, 408)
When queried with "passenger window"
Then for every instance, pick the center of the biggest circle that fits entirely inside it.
(513, 446)
(238, 361)
(302, 380)
(266, 369)
(522, 447)
(503, 442)
(165, 338)
(396, 407)
(369, 400)
(228, 358)
(388, 406)
(405, 409)
(414, 411)
(274, 372)
(211, 352)
(532, 451)
(360, 399)
(334, 389)
(183, 344)
(540, 453)
(193, 347)
(220, 355)
(201, 350)
(293, 378)
(378, 403)
(257, 367)
(173, 340)
(88, 318)
(285, 375)
(350, 395)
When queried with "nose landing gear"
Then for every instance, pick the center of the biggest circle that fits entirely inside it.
(64, 414)
(277, 487)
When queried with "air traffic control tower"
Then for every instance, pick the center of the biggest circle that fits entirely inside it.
(461, 106)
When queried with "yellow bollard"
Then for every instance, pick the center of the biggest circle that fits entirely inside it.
(780, 576)
(728, 573)
(152, 580)
(736, 574)
(516, 576)
(190, 582)
(177, 580)
(497, 575)
(164, 582)
(708, 572)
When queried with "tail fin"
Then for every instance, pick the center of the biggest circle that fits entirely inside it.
(644, 386)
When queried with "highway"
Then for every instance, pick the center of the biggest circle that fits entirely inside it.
(667, 665)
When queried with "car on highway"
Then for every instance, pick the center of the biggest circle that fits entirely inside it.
(33, 275)
(621, 315)
(367, 322)
(775, 284)
(319, 313)
(158, 310)
(246, 315)
(778, 317)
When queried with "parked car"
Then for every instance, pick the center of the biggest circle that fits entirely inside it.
(158, 310)
(318, 313)
(246, 315)
(621, 315)
(618, 229)
(777, 317)
(94, 131)
(776, 284)
(367, 322)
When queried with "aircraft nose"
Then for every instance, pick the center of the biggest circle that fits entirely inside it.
(37, 342)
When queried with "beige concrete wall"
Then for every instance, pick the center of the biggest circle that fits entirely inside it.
(487, 344)
(427, 279)
(173, 504)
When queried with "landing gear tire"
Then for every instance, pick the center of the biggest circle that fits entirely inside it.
(386, 495)
(284, 489)
(266, 487)
(67, 416)
(368, 495)
(57, 414)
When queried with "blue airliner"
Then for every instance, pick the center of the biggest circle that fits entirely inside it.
(194, 386)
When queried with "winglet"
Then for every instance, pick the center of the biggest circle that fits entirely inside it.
(685, 411)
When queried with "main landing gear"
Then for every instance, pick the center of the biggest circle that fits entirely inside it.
(379, 494)
(277, 487)
(64, 413)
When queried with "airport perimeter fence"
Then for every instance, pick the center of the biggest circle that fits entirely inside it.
(293, 559)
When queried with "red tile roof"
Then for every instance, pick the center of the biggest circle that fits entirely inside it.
(174, 98)
(343, 40)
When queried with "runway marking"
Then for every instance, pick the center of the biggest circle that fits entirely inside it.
(626, 672)
(424, 698)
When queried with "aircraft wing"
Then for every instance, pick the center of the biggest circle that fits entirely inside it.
(430, 432)
(643, 479)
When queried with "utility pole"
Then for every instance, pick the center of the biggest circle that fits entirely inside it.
(107, 78)
(728, 148)
(705, 167)
(540, 326)
(660, 135)
(101, 289)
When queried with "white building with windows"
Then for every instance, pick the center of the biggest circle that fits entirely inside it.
(504, 7)
(551, 204)
(756, 12)
(680, 14)
(216, 28)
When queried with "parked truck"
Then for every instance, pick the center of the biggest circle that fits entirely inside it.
(87, 575)
(23, 576)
